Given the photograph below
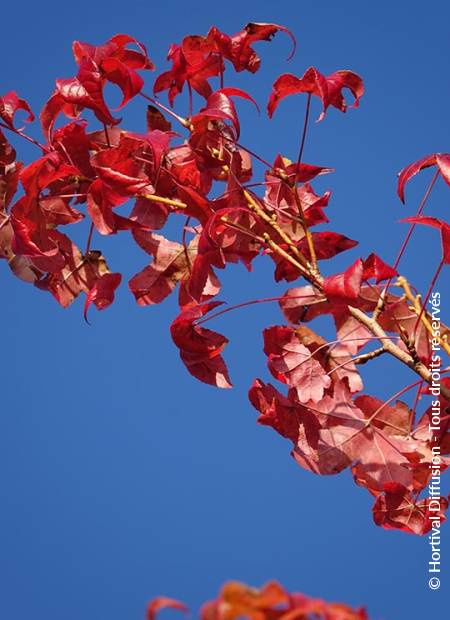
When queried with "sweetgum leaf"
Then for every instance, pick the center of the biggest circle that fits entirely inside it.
(291, 362)
(102, 293)
(441, 160)
(171, 264)
(10, 104)
(346, 285)
(327, 88)
(201, 348)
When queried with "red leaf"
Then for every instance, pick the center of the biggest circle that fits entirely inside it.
(57, 211)
(73, 144)
(78, 275)
(290, 172)
(297, 303)
(7, 152)
(344, 79)
(347, 284)
(10, 104)
(219, 106)
(9, 174)
(152, 215)
(120, 171)
(156, 120)
(116, 62)
(195, 69)
(237, 48)
(276, 410)
(327, 244)
(199, 58)
(442, 226)
(328, 89)
(31, 237)
(114, 48)
(49, 113)
(272, 602)
(171, 264)
(129, 82)
(162, 602)
(442, 160)
(443, 163)
(312, 82)
(220, 244)
(351, 429)
(201, 348)
(398, 509)
(102, 293)
(291, 362)
(100, 209)
(374, 267)
(44, 172)
(83, 91)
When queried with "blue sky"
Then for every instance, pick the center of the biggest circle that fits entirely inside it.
(121, 476)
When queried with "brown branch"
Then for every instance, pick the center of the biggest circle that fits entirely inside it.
(418, 309)
(4, 221)
(403, 356)
(279, 250)
(366, 357)
(272, 222)
(370, 322)
(309, 239)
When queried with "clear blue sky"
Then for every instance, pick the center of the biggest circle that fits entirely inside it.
(121, 476)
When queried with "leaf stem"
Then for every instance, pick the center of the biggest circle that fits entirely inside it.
(304, 132)
(108, 141)
(301, 263)
(244, 304)
(89, 240)
(309, 238)
(412, 226)
(190, 98)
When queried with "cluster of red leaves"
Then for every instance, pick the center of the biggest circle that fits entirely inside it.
(88, 174)
(388, 452)
(271, 602)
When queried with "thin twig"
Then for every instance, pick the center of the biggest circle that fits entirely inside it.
(23, 135)
(304, 132)
(89, 240)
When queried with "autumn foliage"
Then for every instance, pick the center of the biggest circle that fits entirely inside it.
(271, 602)
(90, 166)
